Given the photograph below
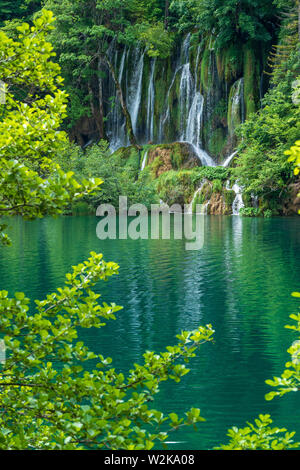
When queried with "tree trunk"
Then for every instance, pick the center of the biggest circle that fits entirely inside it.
(126, 113)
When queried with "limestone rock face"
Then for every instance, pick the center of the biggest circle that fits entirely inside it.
(217, 205)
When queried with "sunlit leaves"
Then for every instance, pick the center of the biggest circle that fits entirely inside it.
(52, 401)
(289, 381)
(294, 156)
(260, 436)
(32, 185)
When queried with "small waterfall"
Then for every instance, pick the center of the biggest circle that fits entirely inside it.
(238, 203)
(236, 104)
(116, 123)
(186, 88)
(228, 160)
(135, 89)
(203, 156)
(203, 206)
(150, 104)
(194, 122)
(191, 109)
(144, 162)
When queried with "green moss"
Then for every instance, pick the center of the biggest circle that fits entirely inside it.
(205, 77)
(162, 78)
(220, 62)
(229, 197)
(175, 187)
(234, 116)
(180, 186)
(233, 63)
(217, 186)
(142, 116)
(179, 155)
(217, 141)
(251, 88)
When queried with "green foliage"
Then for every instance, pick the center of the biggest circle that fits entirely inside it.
(66, 406)
(120, 173)
(17, 9)
(155, 38)
(260, 436)
(179, 186)
(217, 186)
(230, 21)
(31, 184)
(72, 405)
(294, 156)
(290, 378)
(262, 167)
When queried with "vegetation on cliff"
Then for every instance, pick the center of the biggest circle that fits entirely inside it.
(71, 406)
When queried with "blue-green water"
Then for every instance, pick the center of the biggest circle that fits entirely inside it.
(240, 282)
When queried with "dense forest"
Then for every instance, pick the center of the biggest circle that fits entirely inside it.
(187, 102)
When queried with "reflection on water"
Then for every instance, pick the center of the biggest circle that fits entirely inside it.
(240, 282)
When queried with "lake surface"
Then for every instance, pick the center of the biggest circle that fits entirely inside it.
(240, 282)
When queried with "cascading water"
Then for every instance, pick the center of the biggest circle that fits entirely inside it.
(116, 123)
(236, 114)
(238, 203)
(140, 96)
(144, 162)
(228, 160)
(135, 89)
(150, 104)
(203, 207)
(191, 107)
(193, 128)
(186, 87)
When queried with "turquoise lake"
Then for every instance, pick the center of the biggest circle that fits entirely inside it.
(240, 282)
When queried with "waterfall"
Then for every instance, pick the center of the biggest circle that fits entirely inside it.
(191, 109)
(135, 89)
(116, 124)
(150, 104)
(141, 95)
(186, 89)
(194, 122)
(238, 203)
(203, 156)
(144, 162)
(203, 206)
(236, 103)
(228, 160)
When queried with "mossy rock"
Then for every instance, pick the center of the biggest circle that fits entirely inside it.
(217, 143)
(166, 157)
